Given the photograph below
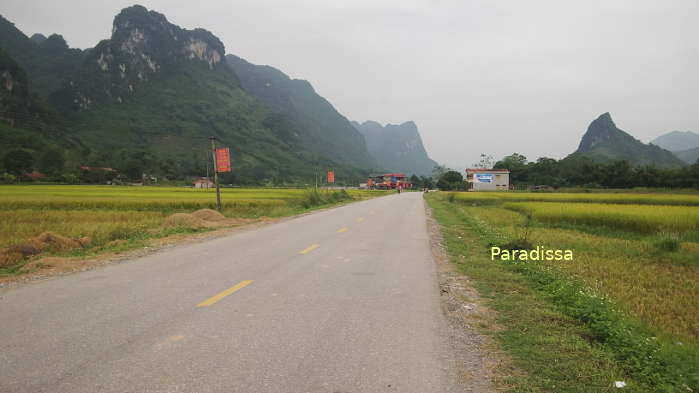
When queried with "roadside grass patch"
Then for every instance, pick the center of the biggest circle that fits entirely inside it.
(317, 197)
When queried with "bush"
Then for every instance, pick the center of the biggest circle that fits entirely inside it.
(668, 242)
(70, 178)
(316, 197)
(8, 178)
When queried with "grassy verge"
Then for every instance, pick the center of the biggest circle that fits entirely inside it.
(567, 335)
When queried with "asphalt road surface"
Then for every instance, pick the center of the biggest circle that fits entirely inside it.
(343, 300)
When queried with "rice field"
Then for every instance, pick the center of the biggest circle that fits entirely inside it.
(106, 213)
(641, 250)
(610, 198)
(638, 218)
(137, 198)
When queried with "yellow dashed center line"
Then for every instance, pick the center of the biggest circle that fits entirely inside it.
(342, 230)
(360, 219)
(309, 249)
(225, 293)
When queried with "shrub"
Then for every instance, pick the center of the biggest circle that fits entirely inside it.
(668, 242)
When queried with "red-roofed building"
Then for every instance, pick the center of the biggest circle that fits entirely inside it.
(34, 176)
(388, 181)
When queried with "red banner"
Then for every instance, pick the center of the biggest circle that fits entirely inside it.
(331, 177)
(223, 160)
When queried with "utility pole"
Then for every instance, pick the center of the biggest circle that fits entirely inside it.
(206, 164)
(218, 189)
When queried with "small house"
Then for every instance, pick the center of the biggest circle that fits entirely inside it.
(488, 179)
(203, 182)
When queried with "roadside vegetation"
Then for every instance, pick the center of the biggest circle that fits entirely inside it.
(625, 309)
(87, 220)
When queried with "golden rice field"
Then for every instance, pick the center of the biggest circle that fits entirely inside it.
(106, 213)
(658, 284)
(640, 218)
(137, 198)
(612, 198)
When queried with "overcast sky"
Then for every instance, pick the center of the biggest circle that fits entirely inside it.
(476, 76)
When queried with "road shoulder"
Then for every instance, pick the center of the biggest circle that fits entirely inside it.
(464, 309)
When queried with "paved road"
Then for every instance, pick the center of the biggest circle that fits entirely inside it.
(343, 300)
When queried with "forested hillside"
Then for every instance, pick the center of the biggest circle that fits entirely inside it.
(146, 100)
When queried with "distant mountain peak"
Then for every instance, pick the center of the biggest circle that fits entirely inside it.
(397, 147)
(143, 45)
(142, 33)
(603, 140)
(601, 130)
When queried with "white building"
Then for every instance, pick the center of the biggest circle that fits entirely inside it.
(488, 179)
(203, 182)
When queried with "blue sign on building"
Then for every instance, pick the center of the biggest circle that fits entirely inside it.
(484, 177)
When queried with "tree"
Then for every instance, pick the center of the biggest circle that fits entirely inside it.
(427, 182)
(485, 162)
(450, 181)
(18, 161)
(133, 169)
(516, 164)
(51, 161)
(416, 181)
(438, 171)
(513, 161)
(8, 178)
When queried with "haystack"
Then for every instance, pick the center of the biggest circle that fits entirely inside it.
(184, 220)
(54, 242)
(56, 264)
(10, 257)
(208, 215)
(47, 241)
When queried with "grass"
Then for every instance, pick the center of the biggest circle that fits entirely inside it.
(108, 213)
(623, 309)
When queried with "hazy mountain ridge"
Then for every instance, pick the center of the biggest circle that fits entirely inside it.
(683, 144)
(677, 140)
(690, 156)
(604, 141)
(397, 147)
(316, 123)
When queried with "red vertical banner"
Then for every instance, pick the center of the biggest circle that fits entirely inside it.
(223, 160)
(331, 177)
